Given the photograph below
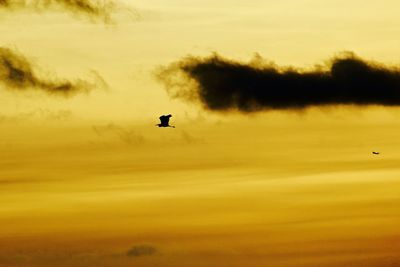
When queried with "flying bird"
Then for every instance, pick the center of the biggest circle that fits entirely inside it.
(375, 153)
(165, 121)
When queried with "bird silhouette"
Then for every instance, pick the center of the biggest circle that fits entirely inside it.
(165, 121)
(375, 153)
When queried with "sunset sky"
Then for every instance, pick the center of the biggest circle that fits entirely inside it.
(86, 179)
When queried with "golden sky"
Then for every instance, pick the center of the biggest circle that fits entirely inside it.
(86, 179)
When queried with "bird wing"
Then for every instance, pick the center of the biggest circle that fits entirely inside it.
(165, 119)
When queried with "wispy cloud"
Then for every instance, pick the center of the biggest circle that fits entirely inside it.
(127, 136)
(190, 139)
(221, 84)
(141, 250)
(37, 114)
(95, 10)
(18, 73)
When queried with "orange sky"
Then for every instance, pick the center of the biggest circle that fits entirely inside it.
(85, 179)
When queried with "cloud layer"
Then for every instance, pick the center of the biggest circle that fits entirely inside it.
(17, 73)
(221, 84)
(141, 250)
(93, 9)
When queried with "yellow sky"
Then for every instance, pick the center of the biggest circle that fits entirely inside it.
(300, 33)
(84, 179)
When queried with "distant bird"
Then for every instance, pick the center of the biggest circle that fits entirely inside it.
(165, 121)
(375, 153)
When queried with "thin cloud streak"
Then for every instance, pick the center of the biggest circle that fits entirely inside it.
(95, 10)
(17, 73)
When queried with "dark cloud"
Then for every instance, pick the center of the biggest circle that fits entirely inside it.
(141, 250)
(17, 73)
(100, 10)
(221, 84)
(4, 3)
